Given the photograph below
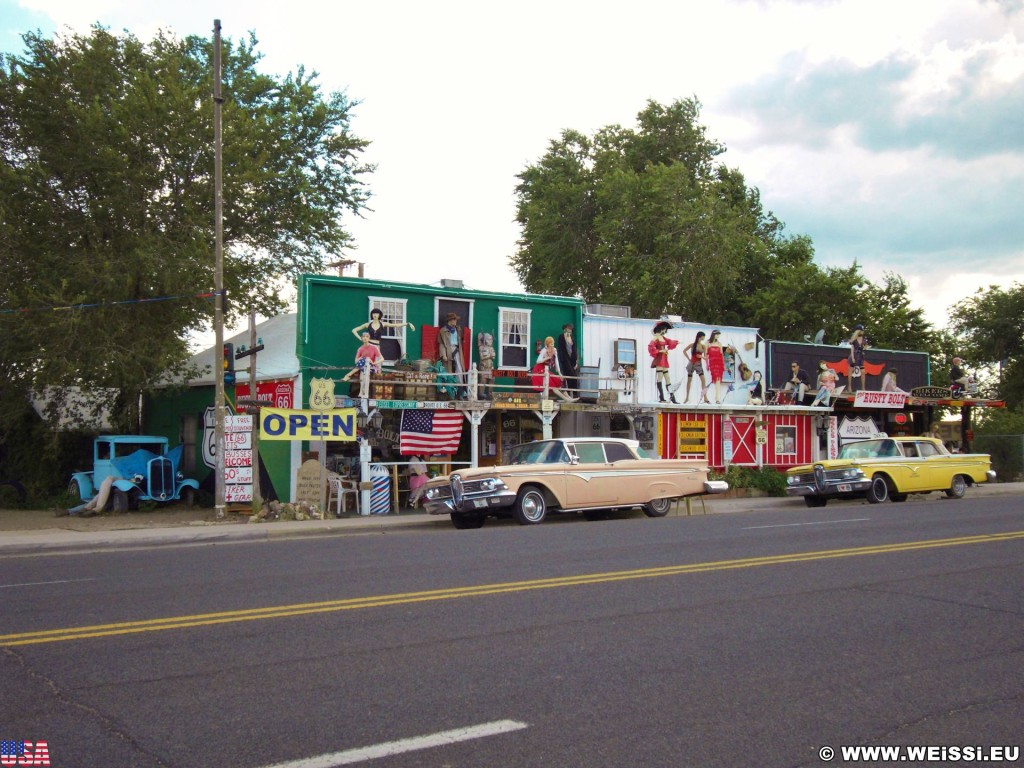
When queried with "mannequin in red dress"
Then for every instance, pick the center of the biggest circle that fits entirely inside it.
(716, 363)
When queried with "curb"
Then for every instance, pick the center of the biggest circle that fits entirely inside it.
(27, 543)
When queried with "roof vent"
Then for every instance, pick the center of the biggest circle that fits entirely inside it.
(448, 282)
(609, 310)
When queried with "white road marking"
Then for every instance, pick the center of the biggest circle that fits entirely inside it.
(816, 522)
(43, 583)
(362, 754)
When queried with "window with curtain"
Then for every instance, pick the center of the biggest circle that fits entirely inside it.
(513, 351)
(393, 341)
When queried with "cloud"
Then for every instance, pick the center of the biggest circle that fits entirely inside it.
(890, 133)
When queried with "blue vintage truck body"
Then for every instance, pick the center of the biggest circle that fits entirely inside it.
(141, 468)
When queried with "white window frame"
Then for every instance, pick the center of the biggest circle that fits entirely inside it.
(395, 311)
(507, 317)
(782, 432)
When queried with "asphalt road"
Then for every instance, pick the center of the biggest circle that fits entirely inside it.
(753, 638)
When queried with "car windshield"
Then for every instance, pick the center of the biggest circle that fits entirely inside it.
(541, 452)
(869, 449)
(127, 449)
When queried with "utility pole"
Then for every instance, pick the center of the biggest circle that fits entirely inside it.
(218, 279)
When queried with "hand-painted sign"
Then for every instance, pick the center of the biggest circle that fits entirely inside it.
(871, 399)
(238, 458)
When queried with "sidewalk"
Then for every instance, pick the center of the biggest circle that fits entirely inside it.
(26, 532)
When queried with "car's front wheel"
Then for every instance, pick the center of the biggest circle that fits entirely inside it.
(75, 493)
(188, 496)
(879, 490)
(815, 501)
(119, 502)
(657, 507)
(957, 488)
(465, 521)
(531, 507)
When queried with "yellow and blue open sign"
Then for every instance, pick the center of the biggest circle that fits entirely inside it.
(290, 424)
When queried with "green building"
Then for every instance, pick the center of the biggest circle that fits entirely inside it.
(323, 345)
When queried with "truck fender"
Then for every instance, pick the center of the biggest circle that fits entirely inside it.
(125, 485)
(188, 483)
(85, 486)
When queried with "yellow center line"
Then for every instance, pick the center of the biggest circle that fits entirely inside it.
(379, 601)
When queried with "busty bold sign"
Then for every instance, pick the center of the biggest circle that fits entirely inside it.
(288, 424)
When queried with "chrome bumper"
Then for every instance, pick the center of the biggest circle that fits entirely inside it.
(831, 488)
(715, 486)
(475, 503)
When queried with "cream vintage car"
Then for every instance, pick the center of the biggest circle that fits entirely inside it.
(578, 474)
(889, 468)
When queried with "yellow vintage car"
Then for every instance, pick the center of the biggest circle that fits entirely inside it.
(572, 474)
(889, 468)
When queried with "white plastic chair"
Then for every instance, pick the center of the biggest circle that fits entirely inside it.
(338, 488)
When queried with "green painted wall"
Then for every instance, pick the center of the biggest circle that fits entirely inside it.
(164, 416)
(330, 307)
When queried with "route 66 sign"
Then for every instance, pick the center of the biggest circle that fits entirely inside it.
(321, 394)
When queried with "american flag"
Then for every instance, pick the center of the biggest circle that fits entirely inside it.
(12, 749)
(430, 432)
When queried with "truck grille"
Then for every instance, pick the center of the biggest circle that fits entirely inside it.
(161, 479)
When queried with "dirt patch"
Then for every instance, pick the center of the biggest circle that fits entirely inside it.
(163, 517)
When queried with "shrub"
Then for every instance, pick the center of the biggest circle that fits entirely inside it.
(767, 479)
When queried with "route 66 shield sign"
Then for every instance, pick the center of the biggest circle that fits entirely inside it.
(321, 394)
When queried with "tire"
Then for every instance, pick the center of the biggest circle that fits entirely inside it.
(815, 501)
(119, 502)
(657, 507)
(530, 507)
(188, 496)
(957, 488)
(75, 493)
(899, 497)
(466, 521)
(879, 490)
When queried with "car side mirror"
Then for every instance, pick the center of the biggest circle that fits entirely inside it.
(574, 460)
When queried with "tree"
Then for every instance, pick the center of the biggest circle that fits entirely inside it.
(107, 195)
(893, 323)
(648, 218)
(106, 202)
(800, 300)
(990, 329)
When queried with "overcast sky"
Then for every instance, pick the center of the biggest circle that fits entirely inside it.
(889, 132)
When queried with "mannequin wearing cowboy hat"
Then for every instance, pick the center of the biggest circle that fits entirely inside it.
(449, 348)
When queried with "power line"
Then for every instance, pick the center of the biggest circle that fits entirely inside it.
(98, 304)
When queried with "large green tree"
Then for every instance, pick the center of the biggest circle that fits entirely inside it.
(107, 202)
(647, 217)
(990, 329)
(107, 207)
